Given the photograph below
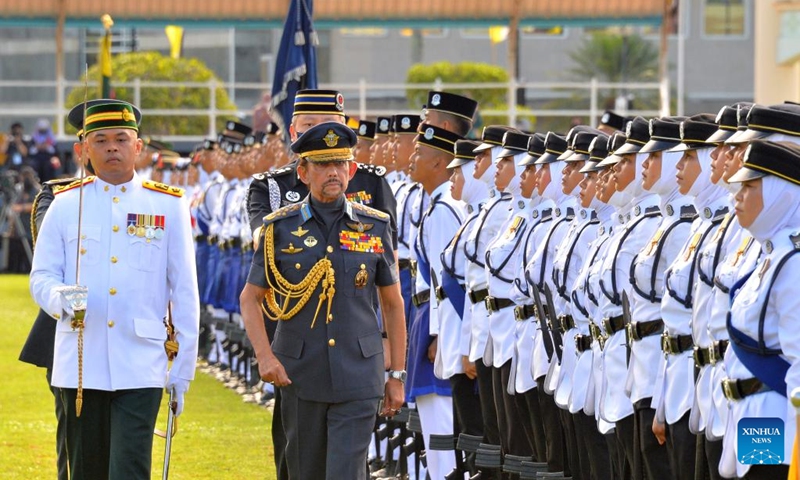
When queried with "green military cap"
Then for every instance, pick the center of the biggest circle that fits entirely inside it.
(104, 113)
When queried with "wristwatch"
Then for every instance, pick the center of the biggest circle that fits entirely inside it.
(398, 375)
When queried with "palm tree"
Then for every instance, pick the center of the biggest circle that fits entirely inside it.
(611, 56)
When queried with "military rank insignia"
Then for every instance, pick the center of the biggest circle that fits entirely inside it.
(360, 242)
(361, 197)
(146, 226)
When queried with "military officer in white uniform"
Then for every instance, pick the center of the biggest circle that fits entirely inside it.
(137, 264)
(762, 360)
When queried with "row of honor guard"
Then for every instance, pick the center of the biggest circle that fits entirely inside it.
(568, 294)
(574, 298)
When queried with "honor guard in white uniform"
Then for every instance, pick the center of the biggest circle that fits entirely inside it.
(490, 219)
(405, 127)
(474, 193)
(608, 194)
(503, 255)
(366, 137)
(434, 150)
(694, 132)
(538, 215)
(452, 353)
(538, 274)
(137, 274)
(647, 287)
(592, 448)
(675, 387)
(570, 254)
(740, 253)
(762, 359)
(641, 219)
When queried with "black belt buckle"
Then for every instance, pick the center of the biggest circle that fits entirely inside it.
(412, 265)
(211, 239)
(440, 294)
(491, 306)
(519, 312)
(563, 323)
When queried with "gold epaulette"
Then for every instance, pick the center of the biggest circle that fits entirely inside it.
(282, 212)
(75, 184)
(372, 212)
(163, 188)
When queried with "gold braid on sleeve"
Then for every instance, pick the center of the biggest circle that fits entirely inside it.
(300, 293)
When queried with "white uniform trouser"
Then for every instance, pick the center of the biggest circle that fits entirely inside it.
(436, 417)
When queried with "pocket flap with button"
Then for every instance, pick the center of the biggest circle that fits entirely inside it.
(371, 344)
(147, 328)
(288, 345)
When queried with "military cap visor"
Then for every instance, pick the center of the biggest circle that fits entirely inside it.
(611, 160)
(659, 144)
(508, 152)
(762, 158)
(589, 167)
(326, 142)
(104, 113)
(721, 135)
(554, 147)
(437, 138)
(464, 153)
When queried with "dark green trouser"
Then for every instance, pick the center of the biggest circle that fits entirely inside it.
(113, 437)
(61, 432)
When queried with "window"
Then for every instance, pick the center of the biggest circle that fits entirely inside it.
(724, 18)
(364, 32)
(557, 31)
(425, 32)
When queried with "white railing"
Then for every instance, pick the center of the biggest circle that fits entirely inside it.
(359, 98)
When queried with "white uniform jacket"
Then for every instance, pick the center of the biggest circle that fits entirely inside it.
(131, 279)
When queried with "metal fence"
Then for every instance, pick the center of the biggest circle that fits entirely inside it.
(21, 100)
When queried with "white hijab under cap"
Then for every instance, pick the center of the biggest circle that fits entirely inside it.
(634, 191)
(474, 190)
(488, 175)
(704, 192)
(514, 187)
(553, 190)
(781, 208)
(666, 186)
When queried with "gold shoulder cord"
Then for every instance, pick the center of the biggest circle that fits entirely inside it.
(322, 271)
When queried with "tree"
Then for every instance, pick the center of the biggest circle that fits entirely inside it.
(609, 57)
(152, 66)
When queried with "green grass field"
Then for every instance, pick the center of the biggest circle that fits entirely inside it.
(220, 437)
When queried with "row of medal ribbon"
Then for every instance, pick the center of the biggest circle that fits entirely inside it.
(146, 226)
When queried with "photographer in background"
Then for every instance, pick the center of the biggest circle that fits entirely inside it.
(14, 148)
(43, 152)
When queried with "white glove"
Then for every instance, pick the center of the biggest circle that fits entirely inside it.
(72, 296)
(181, 386)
